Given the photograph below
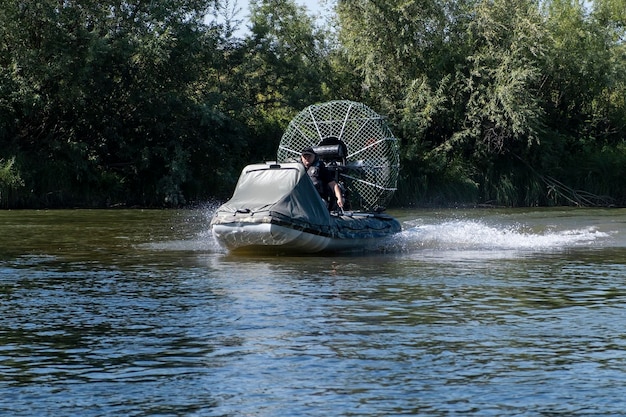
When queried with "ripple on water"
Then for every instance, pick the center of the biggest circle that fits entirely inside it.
(470, 317)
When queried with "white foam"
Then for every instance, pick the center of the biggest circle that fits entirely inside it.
(473, 234)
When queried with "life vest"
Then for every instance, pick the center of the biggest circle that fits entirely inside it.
(314, 174)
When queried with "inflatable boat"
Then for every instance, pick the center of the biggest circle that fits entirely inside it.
(275, 206)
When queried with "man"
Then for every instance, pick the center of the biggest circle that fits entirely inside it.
(322, 178)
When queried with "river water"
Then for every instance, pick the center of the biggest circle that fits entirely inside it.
(466, 312)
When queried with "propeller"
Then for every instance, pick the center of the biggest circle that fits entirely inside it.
(353, 140)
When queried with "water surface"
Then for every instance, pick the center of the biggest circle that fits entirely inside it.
(477, 312)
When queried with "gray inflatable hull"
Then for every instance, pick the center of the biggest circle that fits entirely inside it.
(276, 207)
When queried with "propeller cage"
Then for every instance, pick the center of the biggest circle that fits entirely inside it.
(355, 142)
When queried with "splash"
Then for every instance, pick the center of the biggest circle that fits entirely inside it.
(193, 231)
(478, 235)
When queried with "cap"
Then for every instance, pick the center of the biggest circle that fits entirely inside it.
(308, 151)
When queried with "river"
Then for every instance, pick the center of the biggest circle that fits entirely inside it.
(465, 312)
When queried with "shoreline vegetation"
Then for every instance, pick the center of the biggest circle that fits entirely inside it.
(127, 103)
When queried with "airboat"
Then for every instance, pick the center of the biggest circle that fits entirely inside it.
(275, 206)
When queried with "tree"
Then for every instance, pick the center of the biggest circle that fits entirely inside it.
(457, 77)
(284, 68)
(106, 100)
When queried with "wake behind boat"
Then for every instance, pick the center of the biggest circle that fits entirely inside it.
(276, 207)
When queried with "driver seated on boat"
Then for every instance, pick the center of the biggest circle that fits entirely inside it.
(322, 178)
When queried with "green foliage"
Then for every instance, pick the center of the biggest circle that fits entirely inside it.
(502, 78)
(483, 84)
(597, 174)
(288, 65)
(110, 91)
(436, 180)
(576, 67)
(392, 43)
(160, 103)
(10, 180)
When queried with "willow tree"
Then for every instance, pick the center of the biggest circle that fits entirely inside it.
(393, 44)
(610, 103)
(582, 150)
(503, 117)
(495, 100)
(458, 77)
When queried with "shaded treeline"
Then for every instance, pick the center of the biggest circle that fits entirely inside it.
(161, 103)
